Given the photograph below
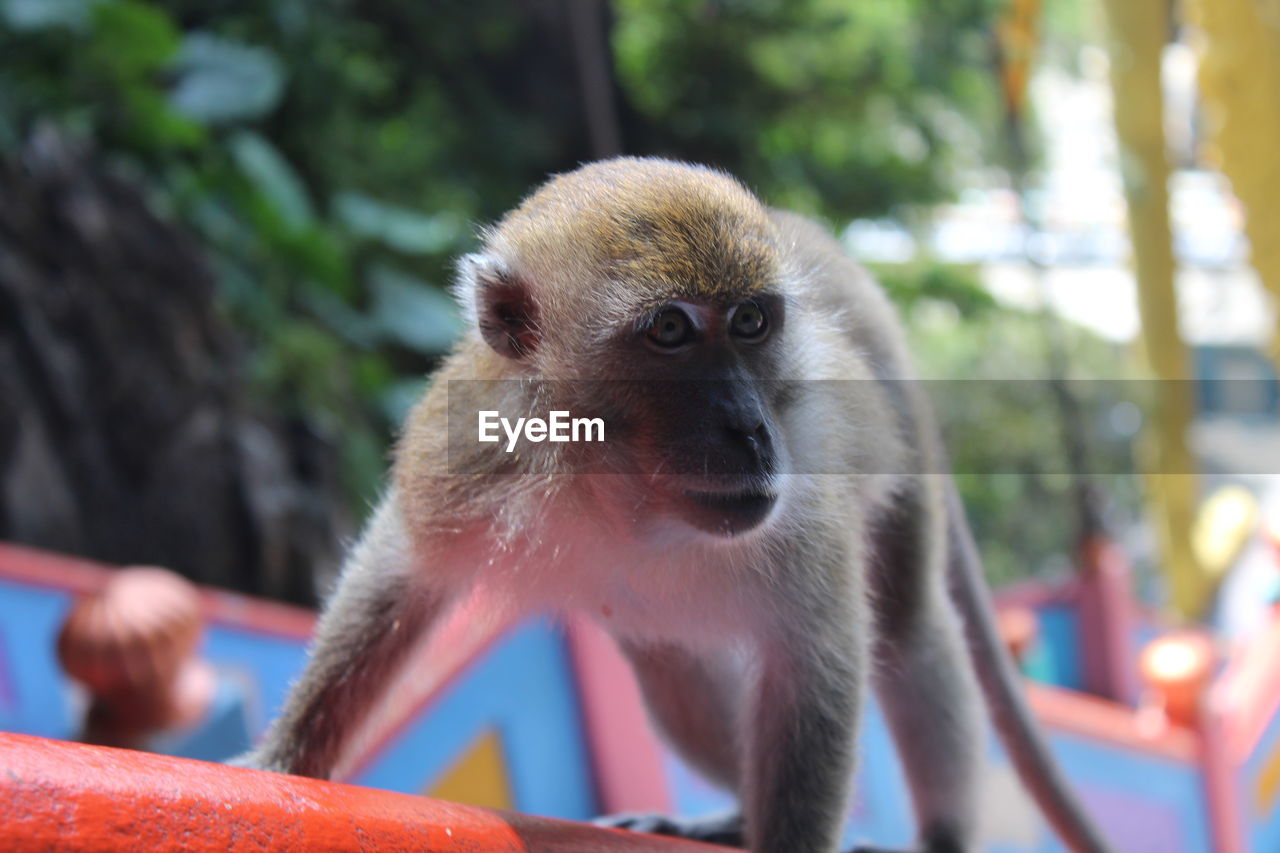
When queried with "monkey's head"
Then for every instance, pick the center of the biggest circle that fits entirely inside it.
(649, 293)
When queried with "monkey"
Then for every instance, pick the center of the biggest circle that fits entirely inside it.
(768, 530)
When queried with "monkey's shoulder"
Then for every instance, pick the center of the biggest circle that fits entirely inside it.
(836, 287)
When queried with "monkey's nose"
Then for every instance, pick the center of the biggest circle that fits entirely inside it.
(755, 439)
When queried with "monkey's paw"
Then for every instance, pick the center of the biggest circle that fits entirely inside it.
(254, 760)
(248, 759)
(725, 829)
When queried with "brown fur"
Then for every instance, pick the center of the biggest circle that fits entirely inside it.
(675, 231)
(753, 643)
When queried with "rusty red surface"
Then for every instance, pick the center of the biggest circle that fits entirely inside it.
(63, 796)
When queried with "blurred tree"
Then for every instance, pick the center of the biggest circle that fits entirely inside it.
(825, 106)
(1239, 76)
(124, 434)
(1139, 31)
(1001, 419)
(332, 158)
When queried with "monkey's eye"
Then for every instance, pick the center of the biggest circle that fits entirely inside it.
(670, 329)
(749, 322)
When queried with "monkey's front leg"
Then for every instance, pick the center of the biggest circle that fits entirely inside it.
(379, 608)
(801, 735)
(690, 697)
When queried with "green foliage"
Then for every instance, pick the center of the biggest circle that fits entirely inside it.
(224, 82)
(1005, 433)
(837, 108)
(334, 158)
(333, 289)
(926, 281)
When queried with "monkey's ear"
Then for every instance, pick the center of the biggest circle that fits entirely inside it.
(501, 303)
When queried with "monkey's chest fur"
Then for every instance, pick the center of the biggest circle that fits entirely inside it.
(549, 553)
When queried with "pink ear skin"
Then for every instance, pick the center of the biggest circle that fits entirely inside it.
(505, 309)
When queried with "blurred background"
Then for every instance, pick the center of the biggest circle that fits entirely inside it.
(227, 228)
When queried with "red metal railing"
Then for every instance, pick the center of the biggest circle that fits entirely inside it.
(64, 796)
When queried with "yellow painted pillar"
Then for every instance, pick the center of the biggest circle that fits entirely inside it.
(1240, 79)
(1137, 36)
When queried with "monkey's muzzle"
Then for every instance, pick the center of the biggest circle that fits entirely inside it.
(729, 513)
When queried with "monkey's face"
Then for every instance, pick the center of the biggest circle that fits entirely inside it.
(693, 416)
(650, 294)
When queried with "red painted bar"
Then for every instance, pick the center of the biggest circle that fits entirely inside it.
(1221, 777)
(80, 577)
(625, 753)
(1251, 689)
(1107, 621)
(1036, 593)
(1105, 721)
(63, 796)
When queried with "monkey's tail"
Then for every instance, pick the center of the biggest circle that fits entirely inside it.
(1002, 686)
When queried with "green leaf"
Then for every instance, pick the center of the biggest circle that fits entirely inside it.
(402, 229)
(398, 399)
(222, 81)
(29, 15)
(412, 312)
(360, 330)
(264, 165)
(132, 39)
(154, 125)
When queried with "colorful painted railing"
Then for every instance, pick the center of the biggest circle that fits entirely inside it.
(548, 721)
(56, 795)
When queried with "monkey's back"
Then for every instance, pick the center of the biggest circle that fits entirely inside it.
(870, 326)
(843, 288)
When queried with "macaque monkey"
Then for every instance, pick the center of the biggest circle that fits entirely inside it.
(767, 528)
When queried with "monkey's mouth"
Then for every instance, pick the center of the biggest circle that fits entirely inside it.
(729, 513)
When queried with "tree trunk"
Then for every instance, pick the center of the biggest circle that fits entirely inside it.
(123, 434)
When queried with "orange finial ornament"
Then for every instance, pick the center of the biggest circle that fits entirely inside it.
(133, 645)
